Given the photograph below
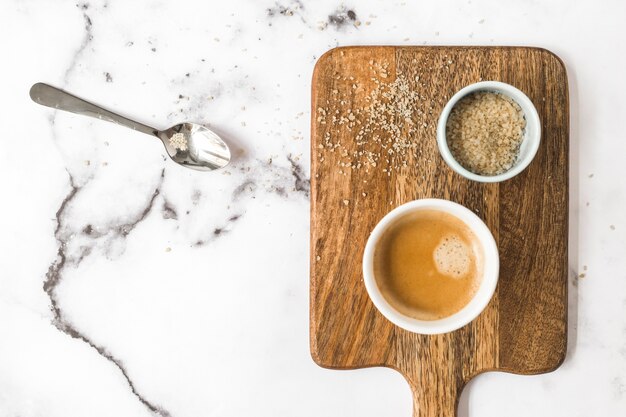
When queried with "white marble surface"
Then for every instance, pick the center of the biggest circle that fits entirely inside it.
(132, 287)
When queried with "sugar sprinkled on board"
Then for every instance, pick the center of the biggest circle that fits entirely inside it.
(385, 123)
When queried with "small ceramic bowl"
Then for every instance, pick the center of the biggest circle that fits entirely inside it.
(528, 147)
(486, 288)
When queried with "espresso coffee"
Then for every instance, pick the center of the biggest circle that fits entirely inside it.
(428, 264)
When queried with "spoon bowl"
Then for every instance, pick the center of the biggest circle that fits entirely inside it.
(188, 144)
(194, 146)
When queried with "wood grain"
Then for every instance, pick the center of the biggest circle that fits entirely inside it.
(524, 328)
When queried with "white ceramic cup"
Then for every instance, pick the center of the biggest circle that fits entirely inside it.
(532, 132)
(486, 287)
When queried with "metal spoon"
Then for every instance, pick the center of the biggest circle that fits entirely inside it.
(188, 144)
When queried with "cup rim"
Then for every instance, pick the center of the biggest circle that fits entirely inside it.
(533, 132)
(483, 294)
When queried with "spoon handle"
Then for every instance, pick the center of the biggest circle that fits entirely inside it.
(47, 95)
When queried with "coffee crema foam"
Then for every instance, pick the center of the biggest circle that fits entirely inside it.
(453, 256)
(428, 264)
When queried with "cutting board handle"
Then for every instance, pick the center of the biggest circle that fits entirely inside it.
(434, 394)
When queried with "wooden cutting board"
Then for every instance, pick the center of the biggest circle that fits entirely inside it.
(524, 328)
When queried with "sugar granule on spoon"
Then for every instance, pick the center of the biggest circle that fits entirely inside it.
(178, 141)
